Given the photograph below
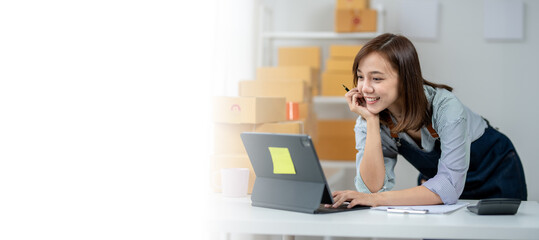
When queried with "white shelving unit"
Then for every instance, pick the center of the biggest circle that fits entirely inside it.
(318, 35)
(268, 36)
(332, 100)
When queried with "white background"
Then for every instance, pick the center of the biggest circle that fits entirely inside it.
(104, 109)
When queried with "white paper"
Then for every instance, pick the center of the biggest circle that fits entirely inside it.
(432, 209)
(419, 18)
(504, 19)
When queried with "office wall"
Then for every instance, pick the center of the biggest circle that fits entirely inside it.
(496, 79)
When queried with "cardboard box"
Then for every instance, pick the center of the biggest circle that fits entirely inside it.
(332, 83)
(352, 4)
(227, 138)
(249, 109)
(305, 73)
(300, 56)
(344, 51)
(340, 65)
(310, 126)
(336, 140)
(355, 20)
(291, 127)
(291, 90)
(305, 110)
(218, 162)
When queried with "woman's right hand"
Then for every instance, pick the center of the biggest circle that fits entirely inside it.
(357, 104)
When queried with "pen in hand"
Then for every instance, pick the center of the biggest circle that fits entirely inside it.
(345, 88)
(360, 100)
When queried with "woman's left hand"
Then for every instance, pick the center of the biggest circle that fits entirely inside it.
(354, 197)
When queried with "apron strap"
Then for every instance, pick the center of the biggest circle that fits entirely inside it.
(432, 132)
(391, 125)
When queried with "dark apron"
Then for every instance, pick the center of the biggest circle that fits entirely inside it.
(495, 169)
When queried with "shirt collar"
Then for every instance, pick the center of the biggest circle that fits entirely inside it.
(430, 92)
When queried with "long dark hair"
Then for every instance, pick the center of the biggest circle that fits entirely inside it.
(401, 54)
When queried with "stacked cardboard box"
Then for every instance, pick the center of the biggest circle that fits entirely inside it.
(234, 115)
(300, 57)
(339, 69)
(290, 89)
(307, 74)
(278, 101)
(336, 140)
(354, 16)
(336, 137)
(296, 78)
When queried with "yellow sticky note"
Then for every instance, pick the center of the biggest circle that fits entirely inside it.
(282, 161)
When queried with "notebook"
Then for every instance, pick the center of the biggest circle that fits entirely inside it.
(288, 173)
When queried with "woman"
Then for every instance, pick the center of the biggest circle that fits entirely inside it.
(457, 152)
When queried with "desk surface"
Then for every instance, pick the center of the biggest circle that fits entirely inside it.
(236, 215)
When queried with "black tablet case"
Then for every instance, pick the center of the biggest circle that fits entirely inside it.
(301, 192)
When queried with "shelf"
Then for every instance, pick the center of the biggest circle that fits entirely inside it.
(319, 35)
(332, 108)
(330, 100)
(267, 35)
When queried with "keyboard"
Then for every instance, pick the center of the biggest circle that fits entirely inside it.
(342, 208)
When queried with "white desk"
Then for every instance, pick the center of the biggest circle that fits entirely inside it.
(236, 215)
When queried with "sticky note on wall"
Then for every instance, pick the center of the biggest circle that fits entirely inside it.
(282, 161)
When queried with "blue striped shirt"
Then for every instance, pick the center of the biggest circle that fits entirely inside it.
(457, 127)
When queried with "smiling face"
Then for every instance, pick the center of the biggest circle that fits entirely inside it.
(379, 84)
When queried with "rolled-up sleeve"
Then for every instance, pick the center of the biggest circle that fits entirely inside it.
(390, 157)
(449, 181)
